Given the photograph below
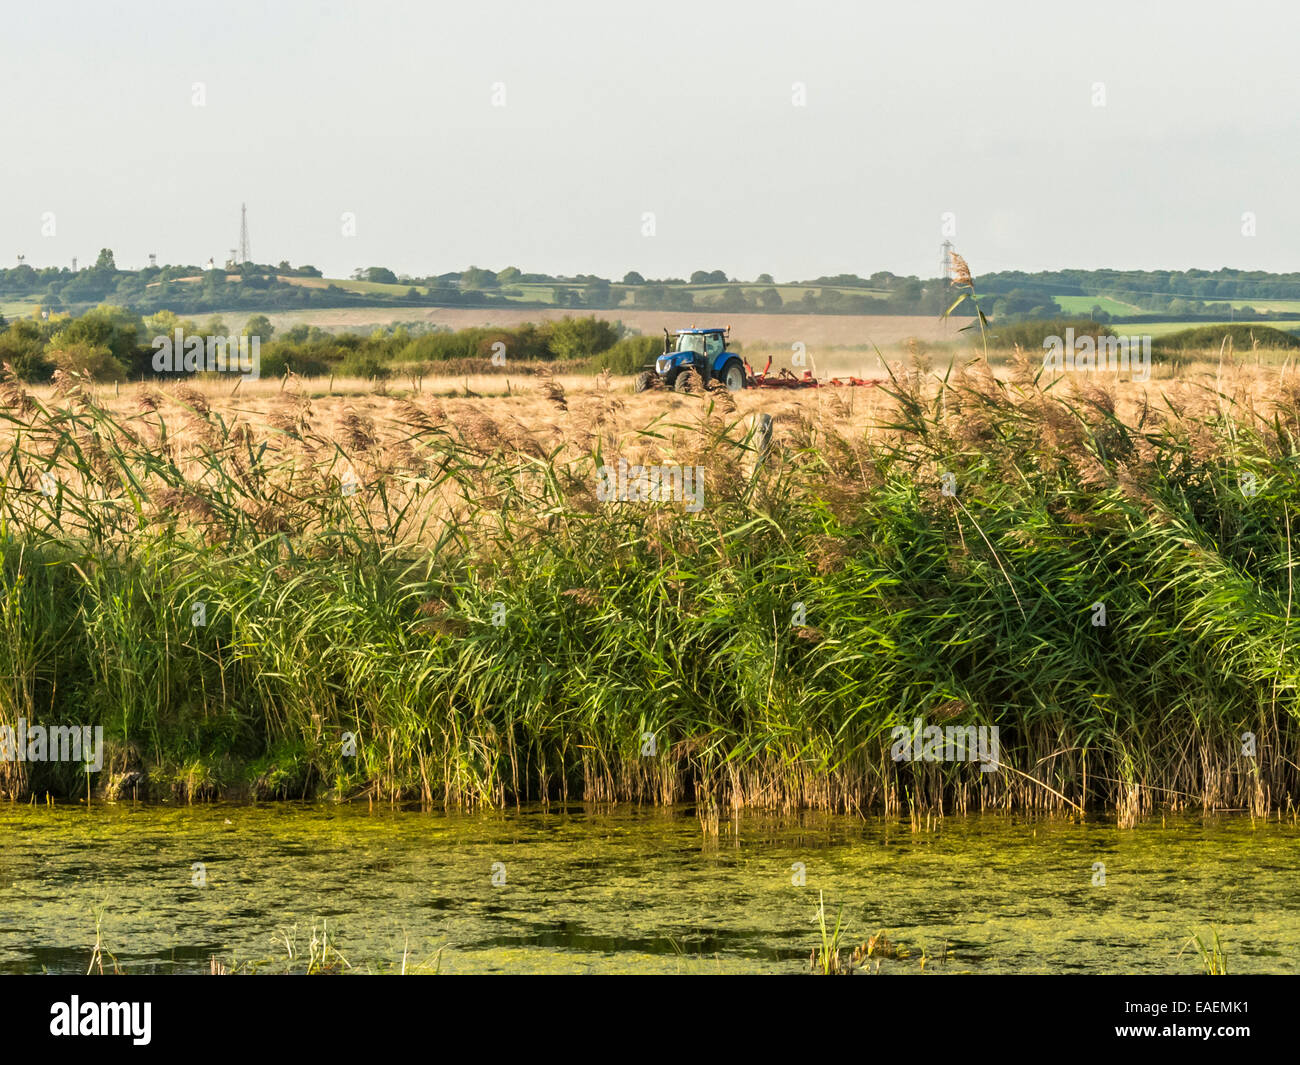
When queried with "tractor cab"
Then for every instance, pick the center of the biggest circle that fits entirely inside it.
(709, 343)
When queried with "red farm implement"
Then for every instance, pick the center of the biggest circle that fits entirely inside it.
(786, 379)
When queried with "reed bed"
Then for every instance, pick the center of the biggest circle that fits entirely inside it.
(428, 601)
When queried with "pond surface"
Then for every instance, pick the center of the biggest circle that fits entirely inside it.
(632, 890)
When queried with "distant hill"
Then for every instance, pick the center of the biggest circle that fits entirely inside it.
(1101, 295)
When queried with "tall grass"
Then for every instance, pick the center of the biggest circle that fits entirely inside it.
(1213, 958)
(353, 582)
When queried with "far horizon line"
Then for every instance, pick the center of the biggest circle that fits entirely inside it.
(77, 265)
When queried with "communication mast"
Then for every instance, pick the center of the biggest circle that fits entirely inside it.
(244, 254)
(945, 272)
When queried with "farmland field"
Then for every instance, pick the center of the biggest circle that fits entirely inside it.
(1277, 306)
(1083, 305)
(18, 308)
(544, 292)
(831, 330)
(1159, 329)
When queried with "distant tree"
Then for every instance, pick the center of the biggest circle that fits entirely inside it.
(910, 291)
(259, 325)
(765, 279)
(475, 280)
(832, 300)
(661, 297)
(769, 299)
(600, 293)
(700, 277)
(1022, 303)
(164, 323)
(733, 299)
(23, 346)
(633, 278)
(380, 275)
(85, 358)
(509, 275)
(577, 338)
(88, 286)
(105, 260)
(115, 330)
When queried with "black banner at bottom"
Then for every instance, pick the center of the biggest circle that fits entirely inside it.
(147, 1014)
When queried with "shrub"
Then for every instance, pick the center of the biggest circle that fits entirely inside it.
(1031, 335)
(629, 355)
(92, 359)
(575, 338)
(364, 364)
(1241, 336)
(22, 346)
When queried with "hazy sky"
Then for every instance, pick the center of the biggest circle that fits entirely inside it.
(685, 110)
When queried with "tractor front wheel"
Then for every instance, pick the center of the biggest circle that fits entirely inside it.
(643, 381)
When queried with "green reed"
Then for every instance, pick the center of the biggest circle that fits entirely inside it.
(466, 622)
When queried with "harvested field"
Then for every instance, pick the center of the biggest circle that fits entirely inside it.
(513, 394)
(813, 330)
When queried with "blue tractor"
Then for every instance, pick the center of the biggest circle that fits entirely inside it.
(702, 350)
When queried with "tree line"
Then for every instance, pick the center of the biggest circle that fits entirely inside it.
(114, 343)
(192, 289)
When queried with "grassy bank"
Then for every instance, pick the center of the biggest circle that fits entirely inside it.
(450, 594)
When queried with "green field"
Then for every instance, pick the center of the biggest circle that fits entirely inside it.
(19, 308)
(348, 285)
(1159, 329)
(1277, 306)
(1085, 304)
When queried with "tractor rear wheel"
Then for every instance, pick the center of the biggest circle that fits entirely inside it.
(733, 375)
(643, 381)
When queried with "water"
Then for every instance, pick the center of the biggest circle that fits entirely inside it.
(632, 890)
